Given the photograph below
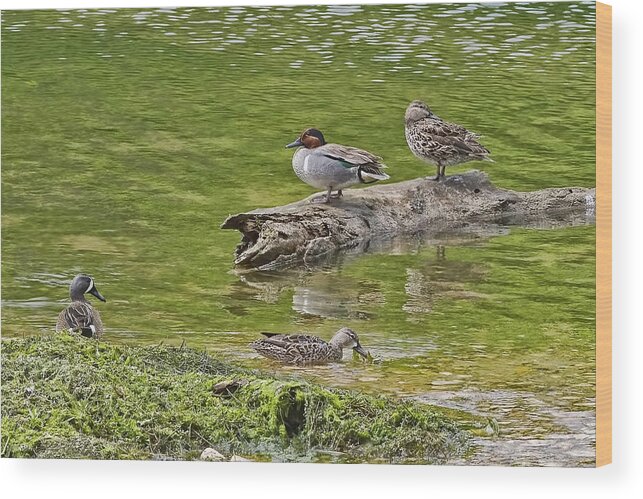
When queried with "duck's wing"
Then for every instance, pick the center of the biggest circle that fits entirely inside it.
(470, 148)
(80, 316)
(292, 348)
(369, 165)
(449, 138)
(350, 156)
(279, 339)
(439, 128)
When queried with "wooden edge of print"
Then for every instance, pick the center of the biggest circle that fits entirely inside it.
(603, 234)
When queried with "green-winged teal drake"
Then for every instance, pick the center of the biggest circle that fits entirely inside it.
(80, 316)
(305, 349)
(332, 166)
(439, 142)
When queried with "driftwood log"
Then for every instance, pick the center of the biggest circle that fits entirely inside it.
(307, 231)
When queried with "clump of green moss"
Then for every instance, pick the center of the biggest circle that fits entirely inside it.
(67, 397)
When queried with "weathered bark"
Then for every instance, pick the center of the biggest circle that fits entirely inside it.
(306, 231)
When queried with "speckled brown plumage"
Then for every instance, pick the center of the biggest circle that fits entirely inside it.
(307, 349)
(80, 316)
(439, 142)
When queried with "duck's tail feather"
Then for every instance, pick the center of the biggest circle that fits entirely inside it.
(376, 176)
(370, 174)
(87, 332)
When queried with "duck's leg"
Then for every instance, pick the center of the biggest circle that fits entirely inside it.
(328, 194)
(323, 198)
(338, 195)
(437, 174)
(442, 171)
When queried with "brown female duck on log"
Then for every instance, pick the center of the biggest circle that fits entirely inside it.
(439, 142)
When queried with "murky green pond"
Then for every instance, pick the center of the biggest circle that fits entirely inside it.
(129, 135)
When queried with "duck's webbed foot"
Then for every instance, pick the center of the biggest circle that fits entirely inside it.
(323, 198)
(319, 199)
(439, 174)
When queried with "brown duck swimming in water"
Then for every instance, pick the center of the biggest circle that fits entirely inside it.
(80, 316)
(306, 349)
(439, 142)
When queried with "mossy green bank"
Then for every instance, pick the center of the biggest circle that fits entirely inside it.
(66, 397)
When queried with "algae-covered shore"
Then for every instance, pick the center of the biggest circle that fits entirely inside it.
(67, 397)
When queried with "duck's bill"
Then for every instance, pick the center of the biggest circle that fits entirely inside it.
(361, 351)
(296, 143)
(96, 293)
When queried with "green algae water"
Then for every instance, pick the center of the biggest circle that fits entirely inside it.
(129, 135)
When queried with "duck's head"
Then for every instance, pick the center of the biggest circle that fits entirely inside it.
(416, 111)
(310, 138)
(347, 338)
(83, 284)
